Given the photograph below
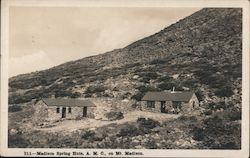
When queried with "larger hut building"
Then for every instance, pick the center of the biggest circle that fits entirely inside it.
(52, 109)
(170, 102)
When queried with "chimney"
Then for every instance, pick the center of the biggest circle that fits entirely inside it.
(53, 96)
(173, 89)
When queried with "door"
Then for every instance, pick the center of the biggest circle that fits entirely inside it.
(64, 112)
(163, 106)
(84, 111)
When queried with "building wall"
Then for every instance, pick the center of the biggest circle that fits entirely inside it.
(195, 100)
(186, 107)
(145, 107)
(91, 112)
(157, 106)
(52, 115)
(41, 112)
(76, 113)
(49, 113)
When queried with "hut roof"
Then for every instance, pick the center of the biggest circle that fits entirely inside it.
(168, 96)
(67, 102)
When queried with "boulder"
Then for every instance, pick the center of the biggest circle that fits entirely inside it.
(13, 131)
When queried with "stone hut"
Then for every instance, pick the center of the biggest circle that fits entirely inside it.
(52, 109)
(170, 102)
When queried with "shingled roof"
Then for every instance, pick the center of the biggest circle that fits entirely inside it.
(67, 102)
(168, 96)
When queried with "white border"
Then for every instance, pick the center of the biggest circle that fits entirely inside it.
(244, 152)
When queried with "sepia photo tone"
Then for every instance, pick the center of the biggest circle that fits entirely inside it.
(177, 88)
(123, 80)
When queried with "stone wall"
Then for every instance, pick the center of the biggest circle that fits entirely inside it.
(41, 112)
(45, 113)
(188, 107)
(185, 107)
(157, 108)
(91, 112)
(76, 113)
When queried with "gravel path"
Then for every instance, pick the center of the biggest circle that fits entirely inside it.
(72, 125)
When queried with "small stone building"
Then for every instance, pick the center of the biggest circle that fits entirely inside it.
(53, 109)
(170, 102)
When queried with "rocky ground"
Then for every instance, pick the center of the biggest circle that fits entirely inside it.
(200, 53)
(87, 123)
(137, 130)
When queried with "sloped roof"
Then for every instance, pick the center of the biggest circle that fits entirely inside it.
(168, 96)
(67, 102)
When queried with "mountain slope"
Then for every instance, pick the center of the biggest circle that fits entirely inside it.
(201, 52)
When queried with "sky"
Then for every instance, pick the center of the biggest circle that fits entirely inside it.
(43, 37)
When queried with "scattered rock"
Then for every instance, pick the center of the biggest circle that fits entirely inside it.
(13, 131)
(139, 147)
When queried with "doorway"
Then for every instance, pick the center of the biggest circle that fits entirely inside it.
(63, 112)
(163, 106)
(85, 111)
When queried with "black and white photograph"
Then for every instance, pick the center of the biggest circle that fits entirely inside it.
(123, 80)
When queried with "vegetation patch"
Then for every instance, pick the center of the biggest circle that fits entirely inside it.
(114, 115)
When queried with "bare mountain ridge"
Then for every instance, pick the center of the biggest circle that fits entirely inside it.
(208, 40)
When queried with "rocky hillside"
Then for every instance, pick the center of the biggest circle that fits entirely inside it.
(202, 52)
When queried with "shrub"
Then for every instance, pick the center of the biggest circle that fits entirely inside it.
(113, 115)
(151, 144)
(165, 78)
(231, 114)
(198, 134)
(130, 130)
(147, 123)
(75, 95)
(88, 95)
(17, 141)
(134, 106)
(187, 118)
(208, 112)
(61, 93)
(215, 106)
(95, 89)
(169, 86)
(218, 133)
(225, 91)
(14, 108)
(138, 96)
(88, 135)
(158, 61)
(146, 88)
(146, 77)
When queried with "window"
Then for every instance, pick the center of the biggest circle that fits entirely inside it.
(151, 104)
(57, 110)
(69, 110)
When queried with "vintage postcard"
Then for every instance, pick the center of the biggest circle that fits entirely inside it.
(90, 78)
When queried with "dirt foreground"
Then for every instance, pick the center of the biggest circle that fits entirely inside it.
(72, 125)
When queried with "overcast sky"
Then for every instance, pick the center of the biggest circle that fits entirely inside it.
(42, 37)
